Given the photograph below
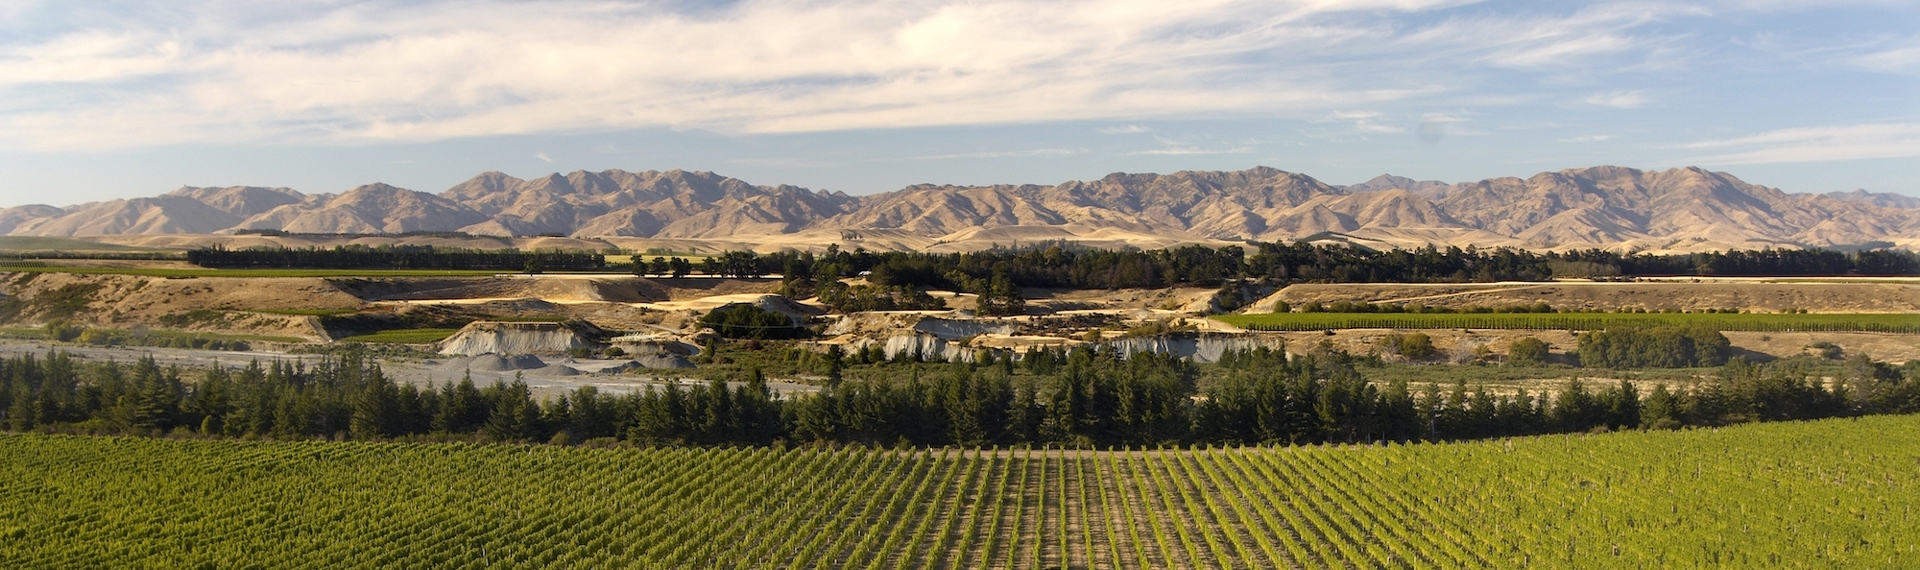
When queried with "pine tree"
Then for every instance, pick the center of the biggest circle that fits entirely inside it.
(375, 411)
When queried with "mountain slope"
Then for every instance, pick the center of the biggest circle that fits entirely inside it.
(155, 215)
(374, 208)
(1603, 206)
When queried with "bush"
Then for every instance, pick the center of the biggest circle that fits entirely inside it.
(1655, 347)
(1527, 351)
(1827, 350)
(63, 331)
(741, 320)
(1416, 346)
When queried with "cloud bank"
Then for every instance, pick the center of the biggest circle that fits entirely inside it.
(105, 76)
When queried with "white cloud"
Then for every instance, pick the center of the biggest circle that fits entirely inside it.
(1904, 59)
(543, 156)
(1548, 42)
(1185, 150)
(1617, 99)
(367, 72)
(1816, 144)
(1126, 130)
(1587, 138)
(1002, 154)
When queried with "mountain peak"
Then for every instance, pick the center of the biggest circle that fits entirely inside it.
(1427, 188)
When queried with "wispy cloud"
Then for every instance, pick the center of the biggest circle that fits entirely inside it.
(1902, 59)
(1587, 138)
(1815, 144)
(1002, 154)
(1617, 99)
(1184, 150)
(368, 72)
(543, 157)
(1126, 130)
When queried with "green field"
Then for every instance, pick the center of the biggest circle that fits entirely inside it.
(304, 312)
(32, 333)
(1826, 494)
(1875, 322)
(403, 336)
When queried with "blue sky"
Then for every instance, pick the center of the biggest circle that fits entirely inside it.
(118, 99)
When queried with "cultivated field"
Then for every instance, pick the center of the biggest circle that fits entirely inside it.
(1837, 493)
(1769, 295)
(1872, 322)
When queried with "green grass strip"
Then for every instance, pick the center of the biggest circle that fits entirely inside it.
(1862, 322)
(403, 336)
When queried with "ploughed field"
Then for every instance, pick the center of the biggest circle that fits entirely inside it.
(1837, 493)
(1782, 322)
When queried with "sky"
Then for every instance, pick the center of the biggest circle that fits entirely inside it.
(117, 99)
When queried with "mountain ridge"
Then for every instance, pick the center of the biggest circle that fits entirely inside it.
(1603, 206)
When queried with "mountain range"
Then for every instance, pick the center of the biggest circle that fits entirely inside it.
(1603, 206)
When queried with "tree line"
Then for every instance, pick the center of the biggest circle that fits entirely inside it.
(997, 273)
(396, 257)
(1078, 398)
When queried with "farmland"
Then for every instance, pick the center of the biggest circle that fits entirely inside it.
(1784, 322)
(1834, 493)
(404, 336)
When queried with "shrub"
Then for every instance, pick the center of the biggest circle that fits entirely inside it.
(1528, 350)
(1655, 347)
(741, 320)
(1416, 346)
(1827, 350)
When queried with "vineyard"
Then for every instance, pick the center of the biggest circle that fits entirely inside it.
(1836, 493)
(1785, 322)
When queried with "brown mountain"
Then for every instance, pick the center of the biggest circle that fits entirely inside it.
(675, 203)
(1605, 206)
(1609, 204)
(374, 208)
(164, 214)
(243, 201)
(1881, 199)
(11, 218)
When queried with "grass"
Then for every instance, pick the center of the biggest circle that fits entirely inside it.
(218, 336)
(1875, 322)
(527, 318)
(303, 312)
(403, 336)
(1824, 494)
(23, 333)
